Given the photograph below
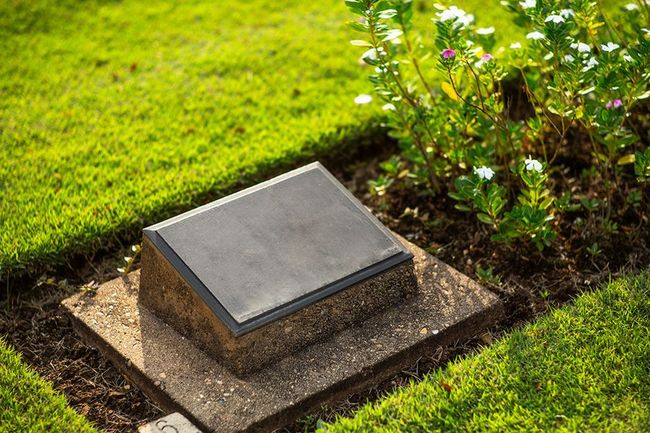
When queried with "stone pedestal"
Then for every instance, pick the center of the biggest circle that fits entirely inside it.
(258, 275)
(168, 295)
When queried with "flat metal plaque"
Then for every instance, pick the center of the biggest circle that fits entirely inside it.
(267, 251)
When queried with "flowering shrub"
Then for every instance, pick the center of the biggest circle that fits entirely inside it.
(583, 81)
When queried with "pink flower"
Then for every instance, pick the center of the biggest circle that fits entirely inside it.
(616, 103)
(487, 57)
(448, 53)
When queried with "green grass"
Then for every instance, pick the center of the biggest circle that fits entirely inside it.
(116, 114)
(28, 404)
(582, 368)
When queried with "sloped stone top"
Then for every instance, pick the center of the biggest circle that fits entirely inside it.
(266, 251)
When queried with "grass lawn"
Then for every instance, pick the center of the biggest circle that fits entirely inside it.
(29, 405)
(583, 367)
(117, 114)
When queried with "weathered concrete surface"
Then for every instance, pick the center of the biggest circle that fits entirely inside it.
(172, 423)
(180, 377)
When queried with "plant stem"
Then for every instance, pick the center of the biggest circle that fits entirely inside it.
(421, 147)
(471, 104)
(415, 62)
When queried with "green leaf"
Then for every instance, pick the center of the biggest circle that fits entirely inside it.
(497, 205)
(484, 218)
(360, 43)
(553, 110)
(627, 159)
(392, 34)
(356, 7)
(360, 27)
(546, 203)
(644, 95)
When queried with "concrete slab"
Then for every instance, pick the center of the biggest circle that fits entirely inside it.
(180, 377)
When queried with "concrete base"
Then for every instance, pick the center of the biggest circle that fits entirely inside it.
(180, 377)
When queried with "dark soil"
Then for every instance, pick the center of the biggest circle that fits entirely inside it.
(528, 281)
(35, 324)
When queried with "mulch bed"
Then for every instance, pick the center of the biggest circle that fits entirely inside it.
(531, 282)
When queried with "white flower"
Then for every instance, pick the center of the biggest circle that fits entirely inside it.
(590, 64)
(569, 58)
(628, 58)
(388, 107)
(631, 7)
(485, 31)
(536, 36)
(557, 19)
(484, 172)
(515, 45)
(646, 31)
(581, 47)
(549, 56)
(363, 99)
(454, 13)
(533, 165)
(527, 4)
(609, 47)
(566, 13)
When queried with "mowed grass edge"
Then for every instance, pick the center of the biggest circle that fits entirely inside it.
(584, 367)
(28, 404)
(115, 115)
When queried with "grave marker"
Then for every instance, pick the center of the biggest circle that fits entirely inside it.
(261, 273)
(257, 308)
